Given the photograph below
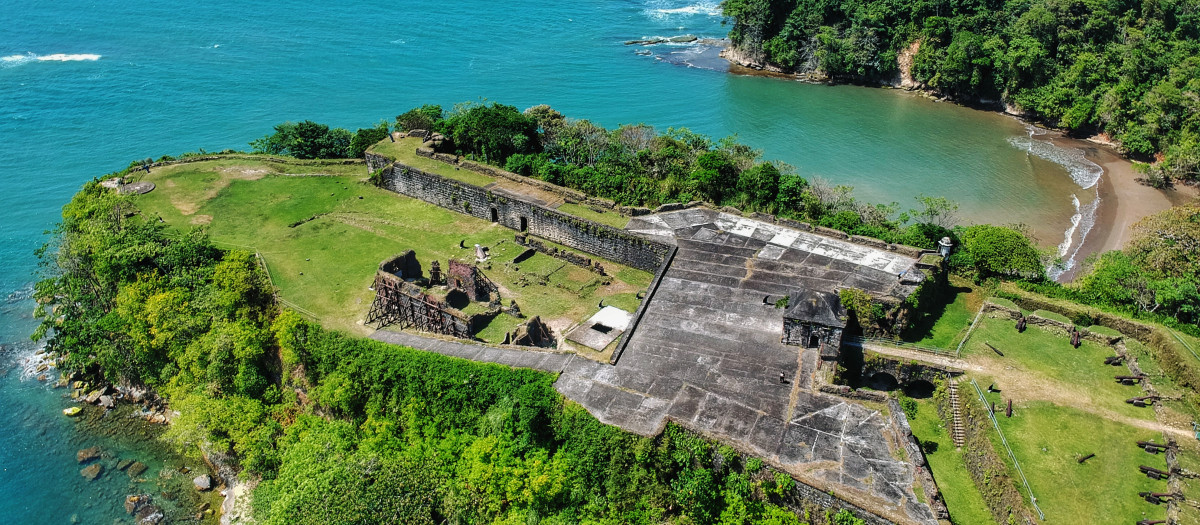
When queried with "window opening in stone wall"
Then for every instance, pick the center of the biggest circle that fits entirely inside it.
(524, 224)
(495, 215)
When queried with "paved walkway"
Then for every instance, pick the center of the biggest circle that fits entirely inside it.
(943, 361)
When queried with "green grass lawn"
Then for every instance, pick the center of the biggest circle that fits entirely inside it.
(945, 322)
(962, 498)
(610, 218)
(1061, 373)
(1048, 440)
(405, 151)
(323, 237)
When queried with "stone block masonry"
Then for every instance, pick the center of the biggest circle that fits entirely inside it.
(509, 210)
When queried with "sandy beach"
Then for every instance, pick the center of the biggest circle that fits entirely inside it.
(1123, 200)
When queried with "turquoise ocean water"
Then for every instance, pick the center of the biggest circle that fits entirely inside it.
(87, 87)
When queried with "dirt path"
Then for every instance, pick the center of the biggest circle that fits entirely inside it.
(1022, 386)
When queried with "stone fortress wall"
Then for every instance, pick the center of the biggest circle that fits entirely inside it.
(588, 236)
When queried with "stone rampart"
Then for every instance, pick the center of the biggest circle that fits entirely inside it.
(591, 237)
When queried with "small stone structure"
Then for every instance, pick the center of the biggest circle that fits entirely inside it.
(405, 266)
(601, 329)
(402, 303)
(815, 319)
(532, 333)
(468, 278)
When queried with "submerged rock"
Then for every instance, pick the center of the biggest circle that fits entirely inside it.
(202, 482)
(149, 515)
(93, 471)
(135, 502)
(105, 401)
(71, 411)
(136, 469)
(87, 454)
(124, 464)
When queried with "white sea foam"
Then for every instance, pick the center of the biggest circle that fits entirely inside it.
(1081, 225)
(1084, 172)
(16, 60)
(706, 9)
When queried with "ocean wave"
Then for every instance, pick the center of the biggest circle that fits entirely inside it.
(16, 60)
(1084, 172)
(706, 9)
(1081, 224)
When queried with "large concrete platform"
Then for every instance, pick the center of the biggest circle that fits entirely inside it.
(707, 354)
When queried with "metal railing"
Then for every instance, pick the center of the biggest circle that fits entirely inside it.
(1013, 457)
(896, 343)
(974, 322)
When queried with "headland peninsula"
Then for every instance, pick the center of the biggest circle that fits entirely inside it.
(491, 313)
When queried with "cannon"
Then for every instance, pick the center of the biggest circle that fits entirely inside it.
(1085, 458)
(994, 349)
(1152, 447)
(1154, 473)
(1021, 325)
(1116, 360)
(1129, 380)
(1143, 401)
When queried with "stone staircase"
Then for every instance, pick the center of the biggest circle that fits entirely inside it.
(956, 429)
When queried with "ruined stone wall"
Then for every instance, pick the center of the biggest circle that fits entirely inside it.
(571, 257)
(905, 372)
(401, 303)
(470, 280)
(580, 234)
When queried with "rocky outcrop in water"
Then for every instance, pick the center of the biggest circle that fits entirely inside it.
(93, 471)
(681, 39)
(87, 454)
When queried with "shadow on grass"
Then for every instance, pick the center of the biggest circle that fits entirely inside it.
(923, 326)
(524, 256)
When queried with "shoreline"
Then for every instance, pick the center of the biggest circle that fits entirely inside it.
(1122, 200)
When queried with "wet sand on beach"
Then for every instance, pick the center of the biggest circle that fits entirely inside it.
(1123, 201)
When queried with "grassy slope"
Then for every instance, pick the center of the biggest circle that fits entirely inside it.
(326, 264)
(962, 498)
(405, 151)
(1039, 357)
(610, 218)
(1048, 439)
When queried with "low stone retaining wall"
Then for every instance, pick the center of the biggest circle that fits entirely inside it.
(1000, 311)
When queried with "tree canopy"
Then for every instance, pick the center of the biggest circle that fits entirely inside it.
(1127, 68)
